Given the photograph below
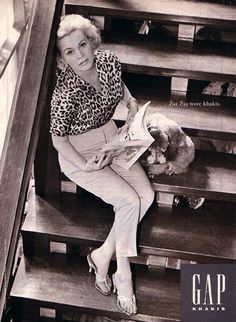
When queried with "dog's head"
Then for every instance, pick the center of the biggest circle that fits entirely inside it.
(159, 146)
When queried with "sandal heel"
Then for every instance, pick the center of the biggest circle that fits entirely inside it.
(105, 283)
(91, 268)
(114, 284)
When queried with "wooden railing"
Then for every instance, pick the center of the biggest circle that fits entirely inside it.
(14, 34)
(32, 92)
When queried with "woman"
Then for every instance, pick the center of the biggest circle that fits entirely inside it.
(88, 89)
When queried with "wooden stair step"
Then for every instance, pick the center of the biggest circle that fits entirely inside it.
(177, 11)
(199, 115)
(62, 284)
(148, 57)
(204, 235)
(210, 175)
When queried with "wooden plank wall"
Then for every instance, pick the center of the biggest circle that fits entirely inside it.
(23, 129)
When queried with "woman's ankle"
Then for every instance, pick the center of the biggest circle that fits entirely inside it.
(103, 253)
(124, 284)
(123, 276)
(102, 263)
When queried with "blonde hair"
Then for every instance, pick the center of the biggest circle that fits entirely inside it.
(70, 23)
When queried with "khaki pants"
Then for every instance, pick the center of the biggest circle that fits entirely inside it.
(129, 191)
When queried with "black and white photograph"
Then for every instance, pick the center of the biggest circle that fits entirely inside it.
(118, 160)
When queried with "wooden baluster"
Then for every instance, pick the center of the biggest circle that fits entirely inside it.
(185, 37)
(179, 86)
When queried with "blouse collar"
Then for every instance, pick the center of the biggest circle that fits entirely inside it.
(68, 74)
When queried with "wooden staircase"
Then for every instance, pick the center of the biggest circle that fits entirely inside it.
(62, 224)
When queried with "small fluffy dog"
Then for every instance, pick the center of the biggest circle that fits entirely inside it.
(172, 151)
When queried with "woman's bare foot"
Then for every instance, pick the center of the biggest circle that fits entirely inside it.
(102, 282)
(124, 284)
(125, 295)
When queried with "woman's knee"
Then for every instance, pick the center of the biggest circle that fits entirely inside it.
(149, 196)
(146, 201)
(128, 199)
(132, 199)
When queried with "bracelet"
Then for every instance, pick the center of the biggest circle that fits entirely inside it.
(131, 101)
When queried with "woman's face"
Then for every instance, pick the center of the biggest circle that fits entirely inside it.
(77, 51)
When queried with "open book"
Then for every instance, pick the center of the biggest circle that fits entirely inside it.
(130, 141)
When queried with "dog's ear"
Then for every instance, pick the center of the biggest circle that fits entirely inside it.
(164, 139)
(176, 135)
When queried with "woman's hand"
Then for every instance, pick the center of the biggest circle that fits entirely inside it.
(133, 109)
(97, 162)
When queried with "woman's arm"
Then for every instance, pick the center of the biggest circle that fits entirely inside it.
(68, 152)
(130, 102)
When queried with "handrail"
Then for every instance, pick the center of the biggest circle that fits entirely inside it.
(32, 89)
(15, 34)
(9, 46)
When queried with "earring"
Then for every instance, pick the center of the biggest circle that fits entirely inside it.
(61, 64)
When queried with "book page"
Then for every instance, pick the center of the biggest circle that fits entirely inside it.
(130, 141)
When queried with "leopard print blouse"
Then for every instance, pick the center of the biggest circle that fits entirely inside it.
(76, 106)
